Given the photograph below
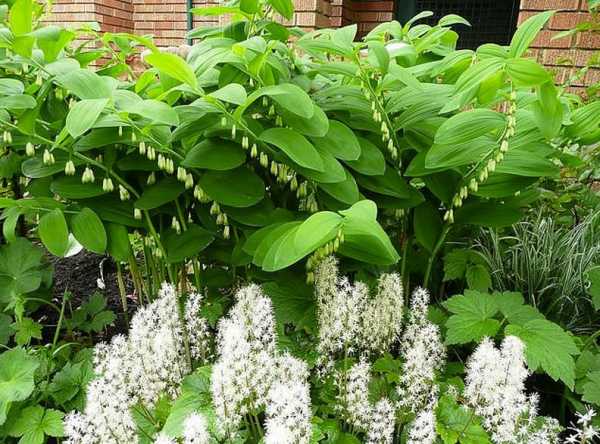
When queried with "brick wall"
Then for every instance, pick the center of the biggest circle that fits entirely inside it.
(563, 56)
(166, 20)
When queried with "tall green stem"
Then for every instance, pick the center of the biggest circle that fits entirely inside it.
(434, 253)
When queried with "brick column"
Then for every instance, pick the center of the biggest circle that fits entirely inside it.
(563, 56)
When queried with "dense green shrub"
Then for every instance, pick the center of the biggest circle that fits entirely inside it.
(251, 151)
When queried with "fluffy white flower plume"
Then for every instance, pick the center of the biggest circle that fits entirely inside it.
(351, 322)
(246, 364)
(424, 355)
(135, 369)
(382, 319)
(288, 413)
(164, 439)
(195, 430)
(422, 430)
(356, 396)
(495, 386)
(197, 328)
(382, 423)
(377, 421)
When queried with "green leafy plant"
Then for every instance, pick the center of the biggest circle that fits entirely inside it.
(203, 156)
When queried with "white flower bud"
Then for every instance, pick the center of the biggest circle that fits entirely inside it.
(151, 179)
(29, 149)
(137, 214)
(70, 168)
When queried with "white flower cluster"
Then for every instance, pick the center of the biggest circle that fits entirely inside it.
(422, 430)
(288, 412)
(131, 370)
(495, 386)
(424, 355)
(195, 430)
(378, 421)
(349, 320)
(583, 432)
(249, 373)
(197, 328)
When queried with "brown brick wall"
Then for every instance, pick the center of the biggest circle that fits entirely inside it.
(166, 21)
(566, 55)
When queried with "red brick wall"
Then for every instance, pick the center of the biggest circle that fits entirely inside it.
(166, 21)
(563, 56)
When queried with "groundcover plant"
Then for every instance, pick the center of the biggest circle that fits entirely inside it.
(231, 184)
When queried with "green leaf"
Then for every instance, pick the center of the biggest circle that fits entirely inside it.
(469, 125)
(295, 145)
(35, 422)
(340, 141)
(478, 277)
(215, 154)
(301, 240)
(284, 7)
(371, 161)
(11, 87)
(83, 115)
(237, 188)
(20, 17)
(165, 191)
(232, 93)
(527, 32)
(427, 225)
(316, 126)
(513, 308)
(364, 239)
(456, 423)
(591, 389)
(526, 73)
(86, 84)
(54, 233)
(187, 244)
(156, 111)
(455, 264)
(472, 317)
(70, 187)
(346, 191)
(118, 242)
(292, 303)
(16, 378)
(26, 330)
(593, 277)
(89, 231)
(20, 268)
(487, 214)
(174, 66)
(547, 347)
(288, 96)
(19, 101)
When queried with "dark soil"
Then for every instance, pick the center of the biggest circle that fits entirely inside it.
(80, 275)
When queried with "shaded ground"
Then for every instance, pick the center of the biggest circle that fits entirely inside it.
(79, 274)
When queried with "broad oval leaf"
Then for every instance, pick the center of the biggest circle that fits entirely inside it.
(70, 187)
(186, 244)
(89, 231)
(294, 145)
(174, 66)
(370, 162)
(83, 115)
(215, 154)
(469, 125)
(54, 233)
(159, 194)
(340, 141)
(237, 188)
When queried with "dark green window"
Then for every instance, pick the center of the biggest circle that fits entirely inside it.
(493, 21)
